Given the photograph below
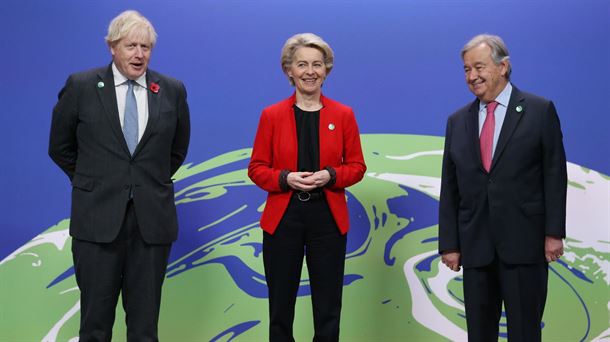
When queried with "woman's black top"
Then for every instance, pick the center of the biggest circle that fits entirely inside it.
(308, 137)
(308, 142)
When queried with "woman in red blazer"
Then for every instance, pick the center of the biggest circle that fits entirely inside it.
(306, 152)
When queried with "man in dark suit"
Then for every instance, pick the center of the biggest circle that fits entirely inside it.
(120, 132)
(503, 196)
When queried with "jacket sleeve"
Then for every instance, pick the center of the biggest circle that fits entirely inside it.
(448, 236)
(62, 139)
(183, 131)
(555, 174)
(352, 168)
(260, 169)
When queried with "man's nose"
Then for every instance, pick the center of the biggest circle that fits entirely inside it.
(471, 75)
(139, 51)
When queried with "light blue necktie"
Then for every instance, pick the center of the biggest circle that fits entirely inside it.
(130, 121)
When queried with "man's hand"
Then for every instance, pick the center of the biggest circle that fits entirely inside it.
(452, 260)
(553, 248)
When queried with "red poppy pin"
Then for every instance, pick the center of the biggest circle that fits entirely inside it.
(154, 87)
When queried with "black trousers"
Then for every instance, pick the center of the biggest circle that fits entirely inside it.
(128, 265)
(307, 229)
(523, 290)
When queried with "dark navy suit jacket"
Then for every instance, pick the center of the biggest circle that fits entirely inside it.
(87, 143)
(522, 199)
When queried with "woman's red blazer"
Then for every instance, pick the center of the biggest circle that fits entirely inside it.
(275, 149)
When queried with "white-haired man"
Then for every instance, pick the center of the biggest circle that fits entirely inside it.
(503, 196)
(120, 132)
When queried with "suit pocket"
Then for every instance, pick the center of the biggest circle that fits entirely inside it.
(83, 183)
(533, 208)
(464, 215)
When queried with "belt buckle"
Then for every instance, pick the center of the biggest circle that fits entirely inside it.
(303, 196)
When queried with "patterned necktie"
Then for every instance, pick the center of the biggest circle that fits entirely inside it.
(487, 135)
(130, 121)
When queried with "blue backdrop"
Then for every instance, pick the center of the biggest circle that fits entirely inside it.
(397, 64)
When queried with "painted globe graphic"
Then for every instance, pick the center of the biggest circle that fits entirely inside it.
(394, 286)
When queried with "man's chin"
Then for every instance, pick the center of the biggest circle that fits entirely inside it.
(135, 75)
(477, 92)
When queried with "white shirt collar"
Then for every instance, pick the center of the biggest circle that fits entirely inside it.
(503, 98)
(120, 79)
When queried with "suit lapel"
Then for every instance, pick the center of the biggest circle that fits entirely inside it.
(107, 95)
(325, 120)
(327, 117)
(513, 116)
(472, 130)
(292, 132)
(154, 103)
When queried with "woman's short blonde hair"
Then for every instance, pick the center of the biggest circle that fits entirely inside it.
(306, 40)
(128, 22)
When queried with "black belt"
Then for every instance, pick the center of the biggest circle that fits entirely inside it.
(305, 196)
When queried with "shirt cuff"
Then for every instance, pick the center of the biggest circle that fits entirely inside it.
(284, 180)
(333, 176)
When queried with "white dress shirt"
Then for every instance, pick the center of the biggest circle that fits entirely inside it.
(141, 93)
